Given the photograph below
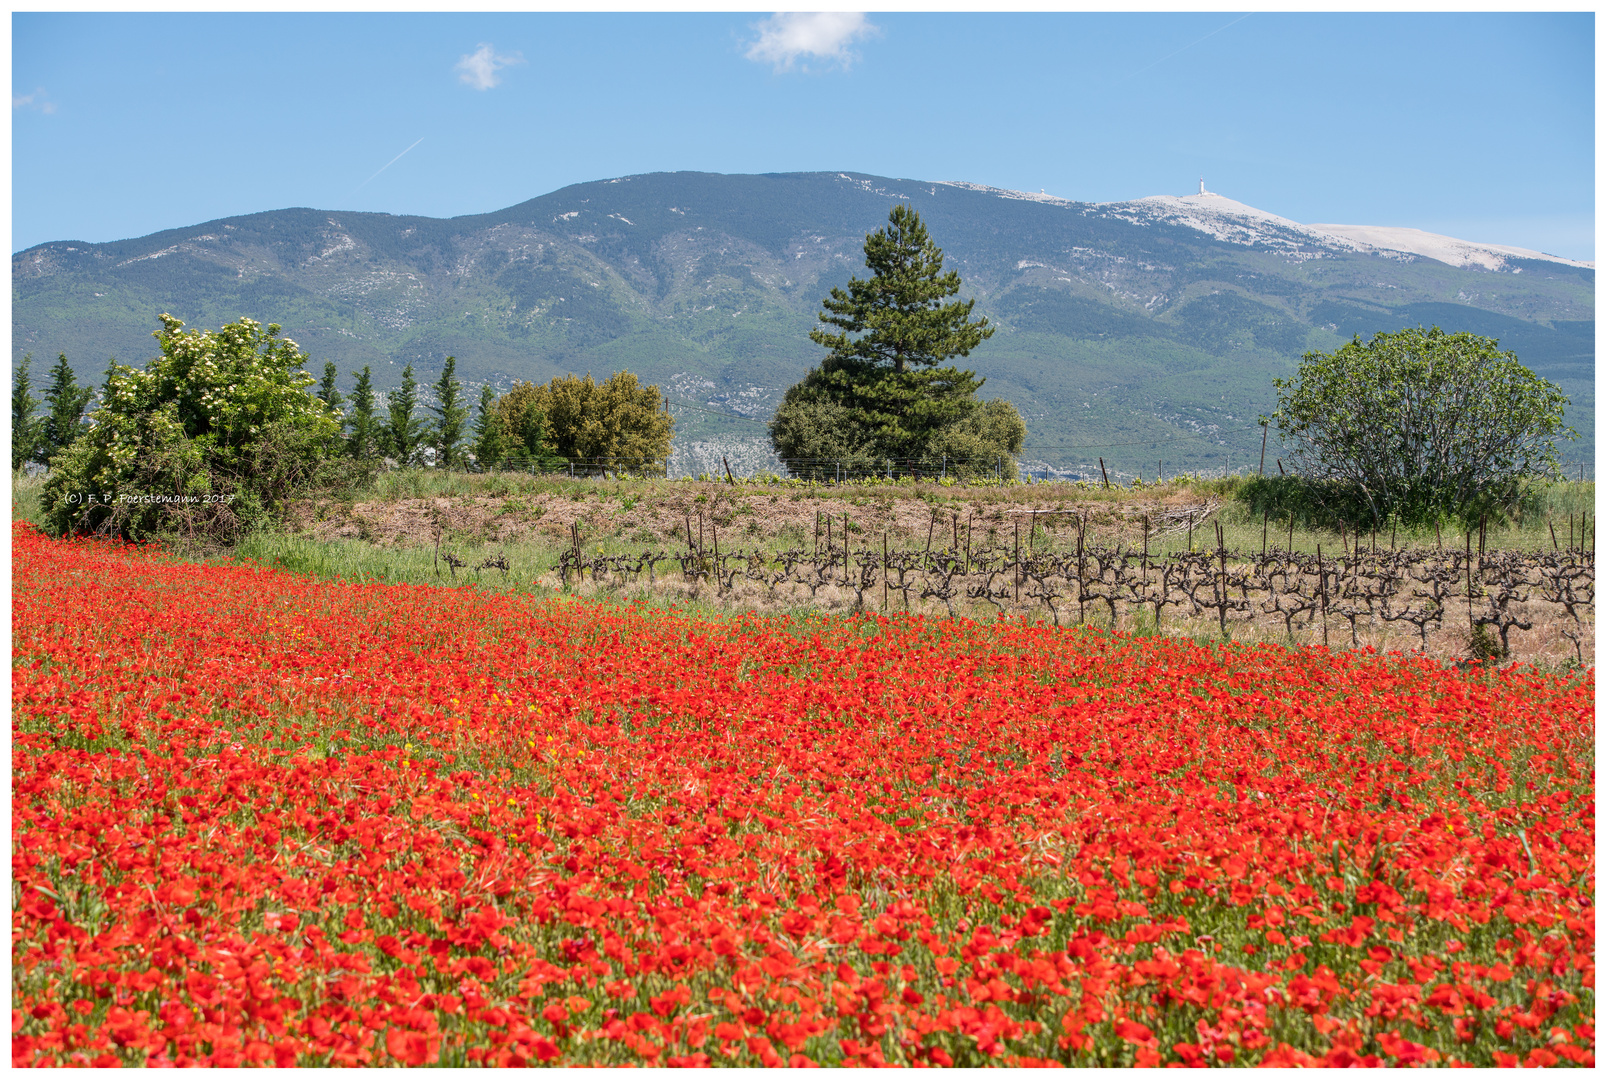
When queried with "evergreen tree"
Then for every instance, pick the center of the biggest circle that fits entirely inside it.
(490, 447)
(363, 442)
(27, 427)
(882, 394)
(65, 403)
(450, 417)
(403, 433)
(900, 310)
(326, 389)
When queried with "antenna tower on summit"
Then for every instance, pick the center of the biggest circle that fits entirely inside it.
(1202, 185)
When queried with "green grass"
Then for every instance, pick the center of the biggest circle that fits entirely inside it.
(361, 562)
(1552, 506)
(27, 503)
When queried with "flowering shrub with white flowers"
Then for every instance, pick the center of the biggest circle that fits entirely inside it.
(208, 441)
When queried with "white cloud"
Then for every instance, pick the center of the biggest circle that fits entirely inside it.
(787, 37)
(479, 68)
(36, 100)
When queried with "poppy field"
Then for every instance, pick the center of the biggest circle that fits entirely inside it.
(260, 818)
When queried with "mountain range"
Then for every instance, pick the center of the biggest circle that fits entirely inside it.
(1146, 332)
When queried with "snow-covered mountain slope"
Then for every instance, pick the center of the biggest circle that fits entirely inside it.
(1447, 249)
(1234, 222)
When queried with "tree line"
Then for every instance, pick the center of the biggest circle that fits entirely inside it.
(219, 431)
(569, 419)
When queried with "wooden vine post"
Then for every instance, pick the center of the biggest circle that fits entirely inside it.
(1017, 574)
(1322, 594)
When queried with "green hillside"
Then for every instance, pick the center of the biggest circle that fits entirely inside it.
(1133, 341)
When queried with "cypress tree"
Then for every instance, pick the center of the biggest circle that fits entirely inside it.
(363, 442)
(27, 427)
(450, 417)
(326, 389)
(65, 403)
(403, 433)
(490, 447)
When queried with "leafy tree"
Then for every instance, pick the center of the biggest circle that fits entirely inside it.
(65, 403)
(812, 432)
(27, 427)
(363, 443)
(210, 440)
(882, 394)
(618, 421)
(1421, 422)
(450, 417)
(404, 432)
(983, 442)
(489, 446)
(326, 389)
(524, 433)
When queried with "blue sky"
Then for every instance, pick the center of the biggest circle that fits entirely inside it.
(1481, 126)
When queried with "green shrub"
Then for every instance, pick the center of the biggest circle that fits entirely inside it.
(208, 442)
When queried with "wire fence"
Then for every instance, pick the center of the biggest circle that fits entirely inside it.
(991, 469)
(825, 470)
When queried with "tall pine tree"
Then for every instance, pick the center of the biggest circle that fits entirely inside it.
(882, 391)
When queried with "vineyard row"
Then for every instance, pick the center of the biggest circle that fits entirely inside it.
(1360, 588)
